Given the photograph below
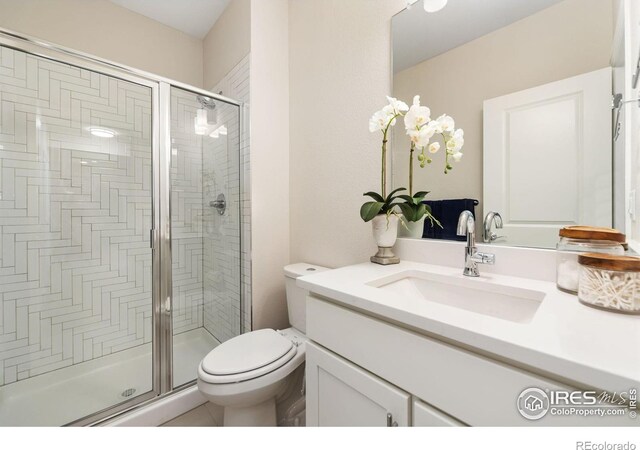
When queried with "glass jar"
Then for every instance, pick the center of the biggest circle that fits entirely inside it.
(578, 240)
(610, 282)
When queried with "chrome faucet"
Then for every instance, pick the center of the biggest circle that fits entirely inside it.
(472, 257)
(490, 218)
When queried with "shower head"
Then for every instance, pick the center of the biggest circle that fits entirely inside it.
(206, 102)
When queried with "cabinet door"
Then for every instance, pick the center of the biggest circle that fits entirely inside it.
(340, 393)
(425, 415)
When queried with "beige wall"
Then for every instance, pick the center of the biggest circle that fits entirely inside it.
(269, 160)
(340, 74)
(106, 30)
(570, 38)
(228, 41)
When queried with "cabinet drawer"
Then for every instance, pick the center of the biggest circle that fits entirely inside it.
(425, 415)
(474, 389)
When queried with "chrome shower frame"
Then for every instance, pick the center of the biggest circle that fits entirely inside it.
(160, 234)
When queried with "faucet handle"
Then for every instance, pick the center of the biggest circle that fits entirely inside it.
(484, 258)
(491, 218)
(494, 237)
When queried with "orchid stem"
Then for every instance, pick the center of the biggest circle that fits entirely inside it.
(411, 169)
(384, 167)
(383, 174)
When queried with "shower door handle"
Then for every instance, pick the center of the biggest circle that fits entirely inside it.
(153, 234)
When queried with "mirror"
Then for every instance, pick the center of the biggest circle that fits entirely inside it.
(531, 83)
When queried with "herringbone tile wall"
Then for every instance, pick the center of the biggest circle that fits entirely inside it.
(226, 238)
(186, 213)
(75, 214)
(205, 244)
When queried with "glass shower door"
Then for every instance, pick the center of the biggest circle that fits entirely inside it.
(75, 260)
(205, 228)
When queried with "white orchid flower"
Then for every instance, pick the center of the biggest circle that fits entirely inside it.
(455, 142)
(435, 127)
(395, 106)
(458, 135)
(421, 136)
(434, 147)
(378, 121)
(414, 135)
(447, 123)
(417, 115)
(386, 117)
(457, 156)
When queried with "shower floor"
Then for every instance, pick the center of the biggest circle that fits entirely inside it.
(62, 396)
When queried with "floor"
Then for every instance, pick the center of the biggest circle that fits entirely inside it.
(65, 395)
(203, 416)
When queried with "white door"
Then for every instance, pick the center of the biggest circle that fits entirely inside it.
(547, 158)
(425, 415)
(340, 393)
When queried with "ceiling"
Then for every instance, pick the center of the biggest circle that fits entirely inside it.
(194, 17)
(418, 35)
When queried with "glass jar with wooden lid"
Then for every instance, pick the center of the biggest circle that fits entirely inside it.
(576, 240)
(610, 282)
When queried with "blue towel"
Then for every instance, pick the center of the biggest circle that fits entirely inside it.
(447, 212)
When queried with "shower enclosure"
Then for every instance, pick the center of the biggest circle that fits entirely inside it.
(120, 234)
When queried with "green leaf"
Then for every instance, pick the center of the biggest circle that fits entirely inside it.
(418, 200)
(374, 195)
(406, 198)
(421, 211)
(390, 197)
(407, 211)
(421, 194)
(370, 209)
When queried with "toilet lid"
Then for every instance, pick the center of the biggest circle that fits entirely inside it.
(247, 352)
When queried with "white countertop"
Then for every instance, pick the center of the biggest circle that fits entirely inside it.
(566, 338)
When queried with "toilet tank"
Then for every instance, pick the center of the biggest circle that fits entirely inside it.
(296, 297)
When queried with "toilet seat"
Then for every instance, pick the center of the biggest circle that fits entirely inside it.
(246, 357)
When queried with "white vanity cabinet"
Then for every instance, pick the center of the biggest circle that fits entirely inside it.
(361, 368)
(343, 394)
(340, 393)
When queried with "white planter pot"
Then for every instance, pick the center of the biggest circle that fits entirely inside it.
(412, 229)
(385, 230)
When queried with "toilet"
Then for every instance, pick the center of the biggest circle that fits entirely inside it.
(246, 374)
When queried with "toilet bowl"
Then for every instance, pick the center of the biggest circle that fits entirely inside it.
(246, 374)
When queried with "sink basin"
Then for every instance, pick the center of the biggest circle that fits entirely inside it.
(475, 295)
